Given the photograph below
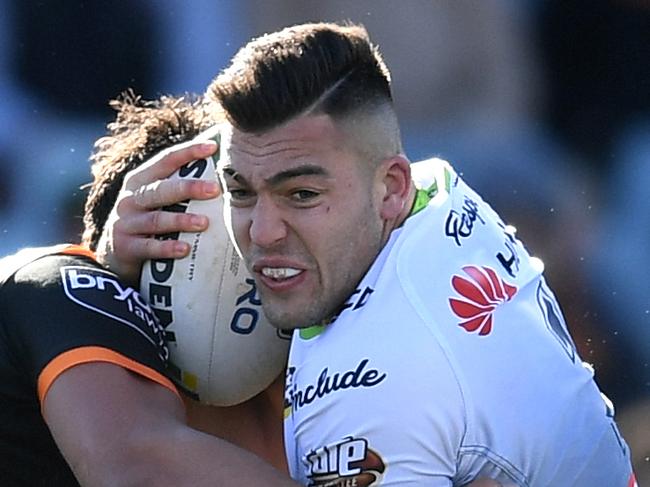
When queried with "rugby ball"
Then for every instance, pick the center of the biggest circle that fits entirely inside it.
(222, 350)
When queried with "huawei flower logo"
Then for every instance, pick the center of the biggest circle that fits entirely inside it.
(481, 294)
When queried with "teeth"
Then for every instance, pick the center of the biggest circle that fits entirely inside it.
(280, 272)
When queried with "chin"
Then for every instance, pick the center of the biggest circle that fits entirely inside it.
(291, 321)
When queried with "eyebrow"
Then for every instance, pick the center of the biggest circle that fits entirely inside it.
(279, 178)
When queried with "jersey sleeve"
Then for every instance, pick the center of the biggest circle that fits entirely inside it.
(60, 311)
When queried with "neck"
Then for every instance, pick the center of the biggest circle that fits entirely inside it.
(398, 221)
(408, 205)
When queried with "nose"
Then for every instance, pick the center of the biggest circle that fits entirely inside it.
(267, 227)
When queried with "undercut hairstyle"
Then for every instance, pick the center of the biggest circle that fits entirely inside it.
(141, 129)
(320, 68)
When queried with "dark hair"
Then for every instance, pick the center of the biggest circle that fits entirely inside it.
(140, 130)
(323, 67)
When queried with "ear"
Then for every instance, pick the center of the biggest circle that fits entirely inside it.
(394, 176)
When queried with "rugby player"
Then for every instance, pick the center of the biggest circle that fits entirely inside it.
(428, 348)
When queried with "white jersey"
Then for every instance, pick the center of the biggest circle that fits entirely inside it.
(451, 360)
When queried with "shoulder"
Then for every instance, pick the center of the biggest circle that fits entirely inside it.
(460, 266)
(65, 289)
(59, 307)
(457, 229)
(36, 264)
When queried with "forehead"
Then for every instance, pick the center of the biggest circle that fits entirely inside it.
(309, 139)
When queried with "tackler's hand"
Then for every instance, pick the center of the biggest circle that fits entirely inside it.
(138, 215)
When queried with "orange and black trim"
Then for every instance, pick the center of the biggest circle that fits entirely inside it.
(78, 250)
(91, 354)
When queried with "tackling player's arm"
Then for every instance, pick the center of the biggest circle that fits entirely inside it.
(255, 425)
(117, 428)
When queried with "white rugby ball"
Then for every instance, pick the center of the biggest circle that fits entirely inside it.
(222, 349)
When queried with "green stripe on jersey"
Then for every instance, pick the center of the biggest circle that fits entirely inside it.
(311, 331)
(424, 196)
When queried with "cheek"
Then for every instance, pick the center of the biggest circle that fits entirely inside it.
(357, 235)
(238, 227)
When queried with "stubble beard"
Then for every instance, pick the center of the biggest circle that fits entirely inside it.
(283, 315)
(322, 308)
(329, 299)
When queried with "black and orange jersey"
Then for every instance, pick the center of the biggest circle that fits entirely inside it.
(59, 308)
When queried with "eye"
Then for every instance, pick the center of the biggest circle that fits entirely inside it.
(304, 195)
(239, 194)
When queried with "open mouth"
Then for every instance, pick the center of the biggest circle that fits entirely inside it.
(280, 273)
